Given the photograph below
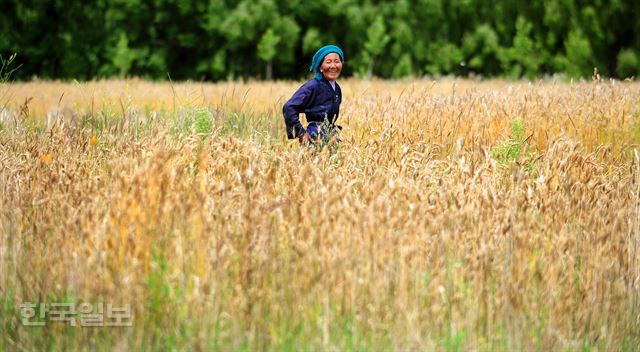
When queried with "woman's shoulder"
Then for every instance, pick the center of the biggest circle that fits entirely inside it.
(312, 83)
(308, 85)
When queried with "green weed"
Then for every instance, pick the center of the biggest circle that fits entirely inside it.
(516, 149)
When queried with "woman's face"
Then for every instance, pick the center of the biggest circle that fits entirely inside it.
(331, 66)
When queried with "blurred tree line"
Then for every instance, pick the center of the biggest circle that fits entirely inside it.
(228, 39)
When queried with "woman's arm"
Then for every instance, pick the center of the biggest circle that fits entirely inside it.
(292, 109)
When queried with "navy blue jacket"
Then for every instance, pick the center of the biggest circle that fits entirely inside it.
(317, 100)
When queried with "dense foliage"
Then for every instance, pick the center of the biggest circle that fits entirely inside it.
(222, 39)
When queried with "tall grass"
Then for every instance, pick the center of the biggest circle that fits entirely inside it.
(414, 235)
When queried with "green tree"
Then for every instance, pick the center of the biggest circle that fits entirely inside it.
(311, 41)
(526, 55)
(481, 49)
(578, 61)
(628, 64)
(377, 40)
(404, 67)
(444, 57)
(218, 39)
(267, 50)
(123, 56)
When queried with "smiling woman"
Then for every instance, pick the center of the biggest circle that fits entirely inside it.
(319, 99)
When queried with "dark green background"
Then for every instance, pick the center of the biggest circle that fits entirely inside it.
(216, 39)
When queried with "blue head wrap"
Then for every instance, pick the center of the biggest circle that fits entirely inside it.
(319, 56)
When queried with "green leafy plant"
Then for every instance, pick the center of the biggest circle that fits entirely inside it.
(162, 302)
(198, 121)
(203, 121)
(516, 149)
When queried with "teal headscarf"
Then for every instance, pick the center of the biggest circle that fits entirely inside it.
(319, 56)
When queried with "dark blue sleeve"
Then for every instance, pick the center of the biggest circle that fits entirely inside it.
(292, 109)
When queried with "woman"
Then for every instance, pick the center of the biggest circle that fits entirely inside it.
(319, 99)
